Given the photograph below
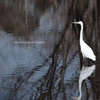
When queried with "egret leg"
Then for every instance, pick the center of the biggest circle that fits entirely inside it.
(85, 61)
(81, 59)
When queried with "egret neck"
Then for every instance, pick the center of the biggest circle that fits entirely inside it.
(81, 35)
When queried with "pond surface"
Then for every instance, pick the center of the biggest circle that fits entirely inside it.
(40, 56)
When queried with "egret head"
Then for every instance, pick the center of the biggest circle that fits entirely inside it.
(79, 22)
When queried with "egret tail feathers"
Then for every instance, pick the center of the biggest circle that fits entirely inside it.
(93, 58)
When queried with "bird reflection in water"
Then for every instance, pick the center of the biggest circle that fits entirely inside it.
(84, 73)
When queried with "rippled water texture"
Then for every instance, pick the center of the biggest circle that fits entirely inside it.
(40, 55)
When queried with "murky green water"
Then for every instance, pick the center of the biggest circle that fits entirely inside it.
(40, 55)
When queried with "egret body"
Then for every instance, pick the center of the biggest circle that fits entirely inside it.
(87, 52)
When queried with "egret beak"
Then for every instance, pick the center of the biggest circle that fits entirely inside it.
(74, 98)
(75, 22)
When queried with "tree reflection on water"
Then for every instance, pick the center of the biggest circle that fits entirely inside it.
(40, 56)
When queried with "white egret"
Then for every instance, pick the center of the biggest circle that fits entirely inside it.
(87, 52)
(85, 72)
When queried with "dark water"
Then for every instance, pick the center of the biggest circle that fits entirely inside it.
(40, 56)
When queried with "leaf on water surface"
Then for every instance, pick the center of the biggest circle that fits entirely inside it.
(76, 98)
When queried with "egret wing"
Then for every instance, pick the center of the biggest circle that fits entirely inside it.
(86, 49)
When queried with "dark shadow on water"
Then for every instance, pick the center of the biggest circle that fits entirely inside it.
(40, 56)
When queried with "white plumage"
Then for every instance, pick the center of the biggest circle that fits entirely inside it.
(87, 52)
(85, 72)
